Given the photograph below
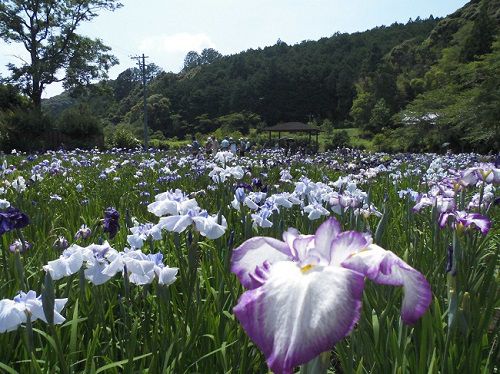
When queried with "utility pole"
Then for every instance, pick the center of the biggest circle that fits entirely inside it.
(141, 61)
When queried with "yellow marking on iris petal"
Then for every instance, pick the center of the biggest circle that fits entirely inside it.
(364, 249)
(306, 268)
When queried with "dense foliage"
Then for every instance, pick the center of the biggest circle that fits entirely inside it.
(312, 79)
(442, 93)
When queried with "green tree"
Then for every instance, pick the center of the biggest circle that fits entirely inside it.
(47, 30)
(192, 60)
(159, 114)
(362, 107)
(481, 36)
(209, 55)
(380, 117)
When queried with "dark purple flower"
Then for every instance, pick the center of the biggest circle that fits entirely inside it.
(11, 219)
(257, 183)
(246, 186)
(111, 224)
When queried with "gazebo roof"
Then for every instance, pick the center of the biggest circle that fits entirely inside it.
(293, 127)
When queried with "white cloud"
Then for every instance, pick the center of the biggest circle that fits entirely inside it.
(176, 43)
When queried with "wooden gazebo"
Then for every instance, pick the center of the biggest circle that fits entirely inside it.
(294, 127)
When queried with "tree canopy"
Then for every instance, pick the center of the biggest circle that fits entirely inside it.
(47, 30)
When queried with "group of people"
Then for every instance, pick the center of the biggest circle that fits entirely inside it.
(212, 146)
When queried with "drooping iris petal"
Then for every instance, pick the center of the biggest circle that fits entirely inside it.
(384, 267)
(34, 305)
(208, 226)
(166, 275)
(443, 219)
(95, 273)
(141, 271)
(252, 254)
(299, 313)
(163, 207)
(175, 223)
(480, 221)
(135, 241)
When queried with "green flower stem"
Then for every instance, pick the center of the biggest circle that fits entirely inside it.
(318, 365)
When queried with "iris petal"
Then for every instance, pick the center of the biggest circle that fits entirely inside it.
(252, 254)
(11, 315)
(299, 313)
(324, 236)
(384, 267)
(345, 245)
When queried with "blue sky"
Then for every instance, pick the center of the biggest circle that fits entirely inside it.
(165, 30)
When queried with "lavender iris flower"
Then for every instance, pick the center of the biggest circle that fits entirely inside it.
(14, 312)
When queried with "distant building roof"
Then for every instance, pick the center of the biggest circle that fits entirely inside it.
(293, 127)
(413, 119)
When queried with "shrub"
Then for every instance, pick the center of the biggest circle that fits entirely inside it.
(339, 139)
(80, 128)
(26, 130)
(122, 137)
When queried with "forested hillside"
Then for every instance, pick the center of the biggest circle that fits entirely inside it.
(313, 79)
(441, 93)
(429, 84)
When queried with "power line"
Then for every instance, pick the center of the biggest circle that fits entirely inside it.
(141, 61)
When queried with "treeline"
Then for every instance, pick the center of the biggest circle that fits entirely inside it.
(429, 84)
(312, 80)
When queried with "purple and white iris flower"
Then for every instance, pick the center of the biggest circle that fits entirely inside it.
(304, 293)
(13, 313)
(468, 220)
(250, 200)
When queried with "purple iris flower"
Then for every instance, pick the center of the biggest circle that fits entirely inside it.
(468, 220)
(61, 243)
(258, 185)
(304, 293)
(111, 221)
(11, 219)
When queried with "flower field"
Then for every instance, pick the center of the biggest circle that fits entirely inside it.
(345, 262)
